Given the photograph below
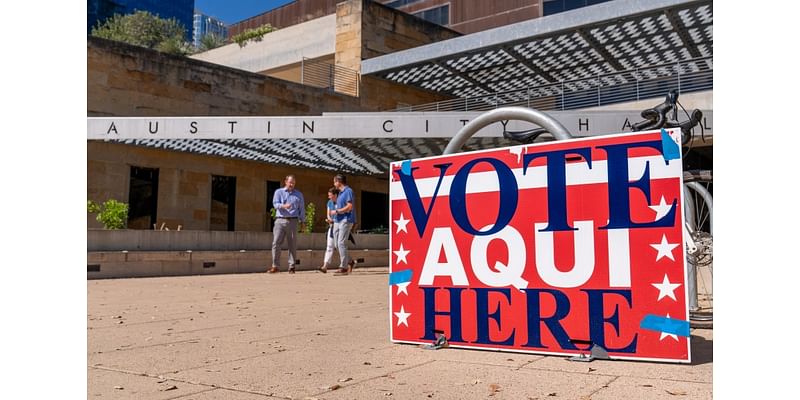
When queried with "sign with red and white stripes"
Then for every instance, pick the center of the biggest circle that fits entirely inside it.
(544, 248)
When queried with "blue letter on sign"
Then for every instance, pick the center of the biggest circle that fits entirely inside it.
(482, 303)
(535, 319)
(557, 185)
(454, 313)
(597, 320)
(619, 185)
(508, 196)
(414, 200)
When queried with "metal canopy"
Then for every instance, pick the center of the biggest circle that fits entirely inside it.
(352, 156)
(588, 42)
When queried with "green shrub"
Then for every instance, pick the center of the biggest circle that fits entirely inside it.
(308, 224)
(145, 29)
(252, 34)
(211, 41)
(112, 214)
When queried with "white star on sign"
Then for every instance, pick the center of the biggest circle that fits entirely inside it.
(664, 248)
(661, 209)
(402, 317)
(401, 254)
(666, 288)
(664, 334)
(402, 288)
(401, 224)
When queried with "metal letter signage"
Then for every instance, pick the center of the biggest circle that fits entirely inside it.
(546, 248)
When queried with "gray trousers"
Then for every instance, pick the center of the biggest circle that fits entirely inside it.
(341, 231)
(284, 229)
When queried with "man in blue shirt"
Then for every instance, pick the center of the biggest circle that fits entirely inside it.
(290, 208)
(344, 217)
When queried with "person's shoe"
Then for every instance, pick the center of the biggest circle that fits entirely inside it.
(341, 271)
(351, 265)
(274, 270)
(323, 269)
(291, 270)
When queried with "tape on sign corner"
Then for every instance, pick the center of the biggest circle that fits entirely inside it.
(665, 325)
(671, 149)
(405, 167)
(400, 277)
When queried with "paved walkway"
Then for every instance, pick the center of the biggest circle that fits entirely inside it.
(309, 335)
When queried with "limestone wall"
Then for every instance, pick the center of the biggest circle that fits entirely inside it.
(125, 80)
(184, 186)
(365, 29)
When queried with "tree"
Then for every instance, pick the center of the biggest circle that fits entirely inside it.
(147, 30)
(210, 41)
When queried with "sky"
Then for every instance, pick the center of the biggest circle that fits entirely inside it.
(237, 10)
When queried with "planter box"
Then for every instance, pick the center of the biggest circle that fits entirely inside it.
(128, 264)
(150, 240)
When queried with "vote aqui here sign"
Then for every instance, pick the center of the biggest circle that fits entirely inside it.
(541, 248)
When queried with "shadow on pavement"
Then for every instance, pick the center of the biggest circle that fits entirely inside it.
(702, 350)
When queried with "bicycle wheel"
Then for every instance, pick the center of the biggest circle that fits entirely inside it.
(698, 206)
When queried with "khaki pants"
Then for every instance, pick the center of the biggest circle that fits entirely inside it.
(285, 228)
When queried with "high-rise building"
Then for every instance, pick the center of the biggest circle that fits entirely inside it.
(207, 25)
(181, 10)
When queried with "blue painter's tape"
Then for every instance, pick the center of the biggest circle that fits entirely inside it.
(671, 149)
(405, 167)
(667, 325)
(400, 277)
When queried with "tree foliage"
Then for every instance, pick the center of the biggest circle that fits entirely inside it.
(147, 30)
(112, 214)
(210, 41)
(255, 34)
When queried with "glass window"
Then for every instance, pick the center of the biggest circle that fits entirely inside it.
(438, 15)
(401, 3)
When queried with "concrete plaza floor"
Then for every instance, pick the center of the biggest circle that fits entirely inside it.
(319, 336)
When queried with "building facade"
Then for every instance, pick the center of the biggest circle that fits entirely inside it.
(467, 16)
(226, 184)
(286, 15)
(207, 25)
(182, 10)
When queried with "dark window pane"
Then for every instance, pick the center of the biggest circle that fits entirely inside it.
(439, 15)
(573, 4)
(374, 211)
(223, 203)
(272, 186)
(142, 198)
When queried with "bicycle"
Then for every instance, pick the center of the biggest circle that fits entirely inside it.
(698, 205)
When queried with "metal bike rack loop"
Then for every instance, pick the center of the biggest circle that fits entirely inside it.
(555, 128)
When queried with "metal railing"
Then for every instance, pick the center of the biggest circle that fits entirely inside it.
(323, 74)
(593, 91)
